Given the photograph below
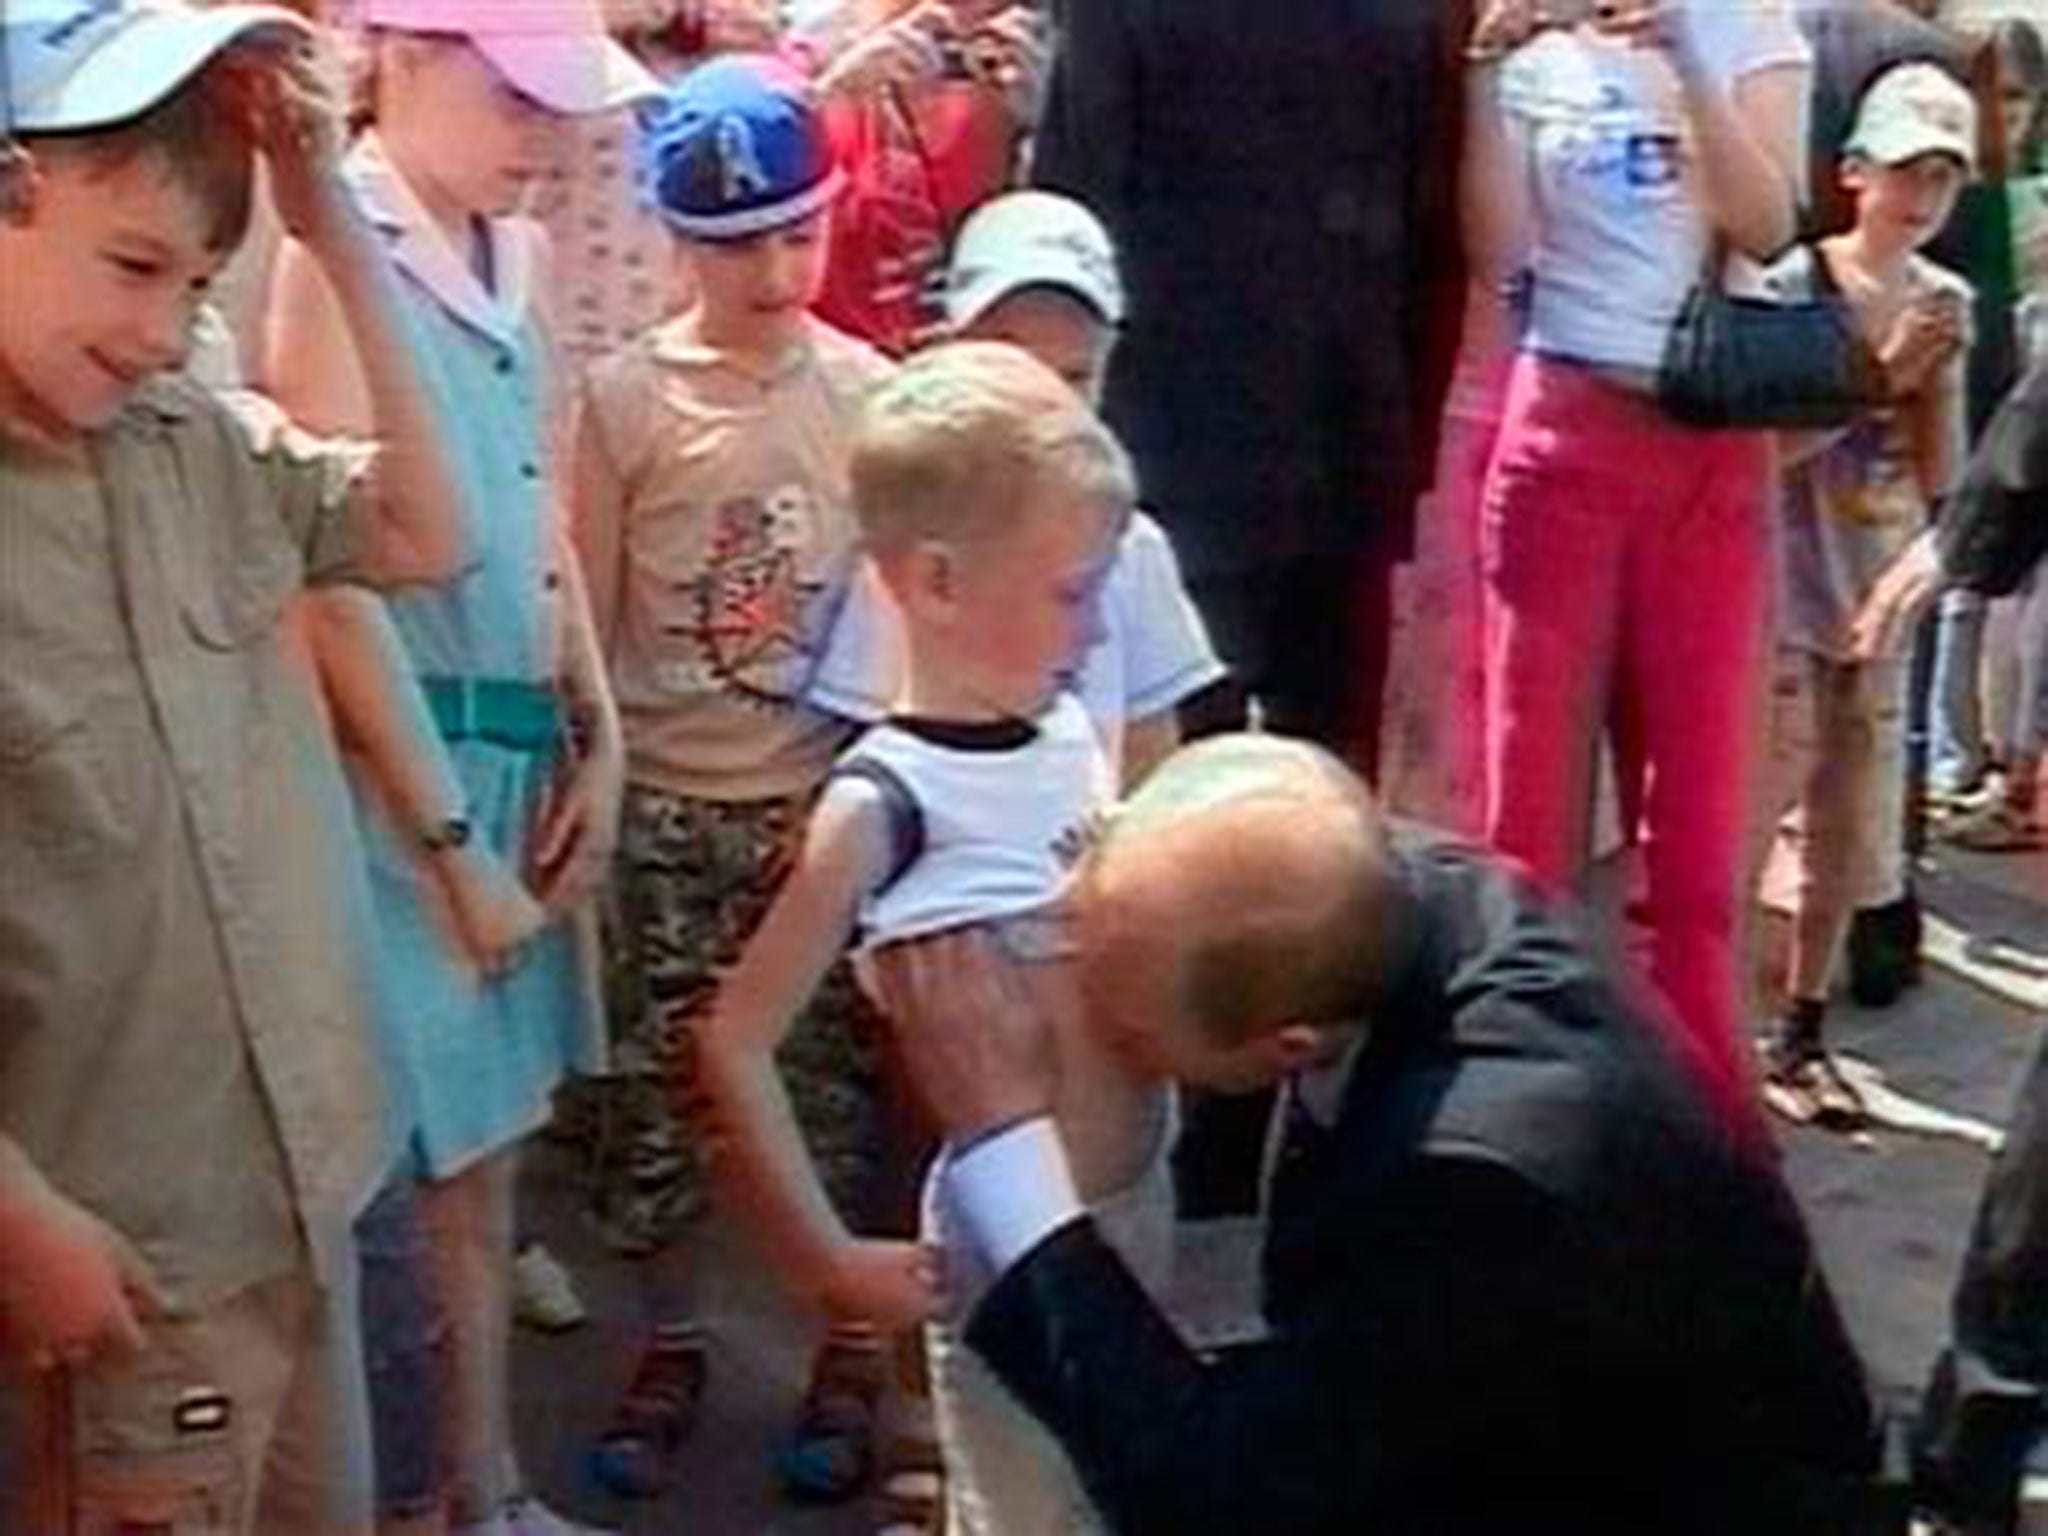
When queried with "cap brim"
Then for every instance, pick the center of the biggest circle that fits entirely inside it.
(1910, 144)
(572, 75)
(745, 223)
(969, 302)
(147, 59)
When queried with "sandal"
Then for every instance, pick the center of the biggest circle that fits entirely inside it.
(830, 1452)
(1804, 1083)
(635, 1456)
(912, 1498)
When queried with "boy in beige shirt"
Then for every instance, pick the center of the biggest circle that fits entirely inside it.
(187, 1121)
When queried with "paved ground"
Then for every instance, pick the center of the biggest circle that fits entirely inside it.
(1891, 1218)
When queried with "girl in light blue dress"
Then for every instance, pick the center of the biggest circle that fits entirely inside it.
(465, 100)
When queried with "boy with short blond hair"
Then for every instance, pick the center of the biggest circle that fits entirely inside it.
(991, 502)
(188, 1123)
(1039, 271)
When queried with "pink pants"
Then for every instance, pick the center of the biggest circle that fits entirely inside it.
(1627, 556)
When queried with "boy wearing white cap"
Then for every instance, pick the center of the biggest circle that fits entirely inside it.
(1853, 500)
(1038, 270)
(187, 1113)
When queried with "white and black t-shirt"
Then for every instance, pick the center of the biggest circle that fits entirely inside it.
(989, 818)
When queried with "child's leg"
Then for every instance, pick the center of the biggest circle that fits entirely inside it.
(696, 878)
(405, 1353)
(467, 1224)
(1836, 801)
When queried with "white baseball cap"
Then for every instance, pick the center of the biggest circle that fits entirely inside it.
(556, 51)
(1031, 240)
(1912, 110)
(71, 65)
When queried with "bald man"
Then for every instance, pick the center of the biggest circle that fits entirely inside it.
(1516, 1278)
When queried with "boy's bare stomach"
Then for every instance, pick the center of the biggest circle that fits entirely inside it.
(1110, 1120)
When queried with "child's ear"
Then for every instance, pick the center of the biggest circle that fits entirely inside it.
(1850, 174)
(937, 570)
(21, 181)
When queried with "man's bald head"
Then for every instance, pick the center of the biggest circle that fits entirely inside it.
(1243, 888)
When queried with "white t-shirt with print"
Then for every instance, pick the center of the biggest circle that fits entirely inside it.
(997, 816)
(1620, 234)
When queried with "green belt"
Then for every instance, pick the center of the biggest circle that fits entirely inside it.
(523, 717)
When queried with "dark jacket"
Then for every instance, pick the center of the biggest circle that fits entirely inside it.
(1522, 1285)
(1280, 179)
(1995, 527)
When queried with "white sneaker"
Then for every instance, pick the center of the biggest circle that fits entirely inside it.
(543, 1296)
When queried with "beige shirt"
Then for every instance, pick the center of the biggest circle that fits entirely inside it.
(715, 521)
(181, 1048)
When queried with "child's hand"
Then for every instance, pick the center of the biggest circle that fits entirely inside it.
(1896, 600)
(1926, 334)
(71, 1287)
(572, 854)
(903, 53)
(494, 914)
(299, 131)
(892, 1285)
(1009, 55)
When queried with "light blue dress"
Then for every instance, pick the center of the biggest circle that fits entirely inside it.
(478, 1057)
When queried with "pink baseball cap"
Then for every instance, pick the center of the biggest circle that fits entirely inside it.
(556, 51)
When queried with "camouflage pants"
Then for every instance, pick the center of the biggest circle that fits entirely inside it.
(694, 880)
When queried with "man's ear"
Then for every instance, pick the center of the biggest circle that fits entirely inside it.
(21, 181)
(1297, 1047)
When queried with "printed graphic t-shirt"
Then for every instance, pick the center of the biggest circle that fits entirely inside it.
(718, 545)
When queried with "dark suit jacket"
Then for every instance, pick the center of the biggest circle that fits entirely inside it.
(1521, 1286)
(1995, 527)
(1280, 178)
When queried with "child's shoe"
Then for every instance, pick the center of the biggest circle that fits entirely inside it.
(635, 1457)
(543, 1296)
(1803, 1082)
(830, 1453)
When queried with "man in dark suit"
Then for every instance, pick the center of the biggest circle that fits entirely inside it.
(1985, 1419)
(1280, 179)
(1517, 1278)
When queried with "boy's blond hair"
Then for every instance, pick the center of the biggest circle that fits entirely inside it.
(955, 443)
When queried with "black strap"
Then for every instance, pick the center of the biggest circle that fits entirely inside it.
(906, 816)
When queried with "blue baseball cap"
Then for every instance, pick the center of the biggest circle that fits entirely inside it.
(735, 148)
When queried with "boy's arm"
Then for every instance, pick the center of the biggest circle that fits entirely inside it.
(574, 850)
(1942, 427)
(754, 1130)
(597, 511)
(410, 527)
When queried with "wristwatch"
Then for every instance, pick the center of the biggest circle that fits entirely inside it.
(446, 835)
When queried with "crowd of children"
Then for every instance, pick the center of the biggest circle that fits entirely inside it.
(570, 657)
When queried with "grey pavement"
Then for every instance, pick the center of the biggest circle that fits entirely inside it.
(1891, 1217)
